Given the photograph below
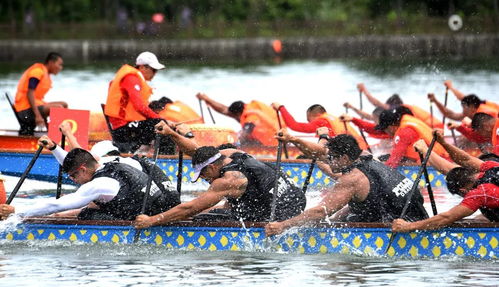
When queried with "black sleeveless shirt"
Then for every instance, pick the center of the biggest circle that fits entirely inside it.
(387, 195)
(255, 203)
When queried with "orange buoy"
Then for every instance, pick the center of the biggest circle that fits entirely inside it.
(277, 46)
(3, 195)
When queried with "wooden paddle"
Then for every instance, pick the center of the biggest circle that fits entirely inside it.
(59, 175)
(431, 114)
(276, 183)
(414, 187)
(428, 185)
(149, 183)
(25, 173)
(211, 115)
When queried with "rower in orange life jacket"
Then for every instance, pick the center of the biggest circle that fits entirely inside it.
(405, 130)
(131, 119)
(35, 82)
(395, 101)
(258, 121)
(175, 111)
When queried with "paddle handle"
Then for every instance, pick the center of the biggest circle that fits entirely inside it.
(23, 176)
(445, 102)
(428, 186)
(201, 109)
(280, 127)
(149, 178)
(276, 183)
(59, 174)
(360, 100)
(179, 172)
(211, 114)
(414, 187)
(309, 175)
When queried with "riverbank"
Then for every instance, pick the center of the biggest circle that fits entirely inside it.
(462, 46)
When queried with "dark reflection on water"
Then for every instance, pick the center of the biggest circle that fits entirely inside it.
(49, 263)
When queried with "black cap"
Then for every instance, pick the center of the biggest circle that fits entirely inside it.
(388, 118)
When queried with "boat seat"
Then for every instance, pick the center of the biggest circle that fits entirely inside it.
(124, 147)
(12, 107)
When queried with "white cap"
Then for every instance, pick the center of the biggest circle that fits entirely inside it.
(102, 148)
(148, 58)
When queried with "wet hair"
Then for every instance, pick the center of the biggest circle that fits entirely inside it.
(77, 157)
(377, 111)
(458, 178)
(203, 153)
(236, 108)
(489, 157)
(316, 109)
(160, 104)
(471, 100)
(344, 144)
(113, 153)
(479, 119)
(403, 111)
(394, 101)
(226, 146)
(52, 57)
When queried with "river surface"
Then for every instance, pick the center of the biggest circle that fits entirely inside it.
(295, 84)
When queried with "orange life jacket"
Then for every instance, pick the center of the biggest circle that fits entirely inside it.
(424, 116)
(37, 69)
(492, 105)
(3, 194)
(118, 104)
(487, 109)
(338, 127)
(424, 132)
(264, 118)
(180, 112)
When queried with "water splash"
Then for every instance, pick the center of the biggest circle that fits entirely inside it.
(10, 224)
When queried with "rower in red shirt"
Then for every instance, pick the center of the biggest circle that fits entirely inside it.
(405, 131)
(476, 180)
(317, 117)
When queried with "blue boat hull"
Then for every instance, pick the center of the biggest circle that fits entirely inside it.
(478, 241)
(46, 169)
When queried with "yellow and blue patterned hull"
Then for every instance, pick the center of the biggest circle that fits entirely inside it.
(480, 242)
(46, 168)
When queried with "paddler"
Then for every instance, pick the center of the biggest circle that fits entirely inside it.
(367, 190)
(475, 180)
(395, 101)
(317, 117)
(127, 105)
(34, 84)
(405, 130)
(110, 191)
(245, 183)
(258, 121)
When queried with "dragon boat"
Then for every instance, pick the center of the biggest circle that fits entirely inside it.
(462, 240)
(46, 169)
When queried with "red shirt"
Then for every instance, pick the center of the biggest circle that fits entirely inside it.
(310, 127)
(484, 195)
(471, 135)
(405, 137)
(128, 86)
(369, 127)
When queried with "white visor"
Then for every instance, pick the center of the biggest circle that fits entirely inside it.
(198, 167)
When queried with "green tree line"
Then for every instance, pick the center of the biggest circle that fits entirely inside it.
(28, 16)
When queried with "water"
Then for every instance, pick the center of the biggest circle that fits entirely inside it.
(295, 84)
